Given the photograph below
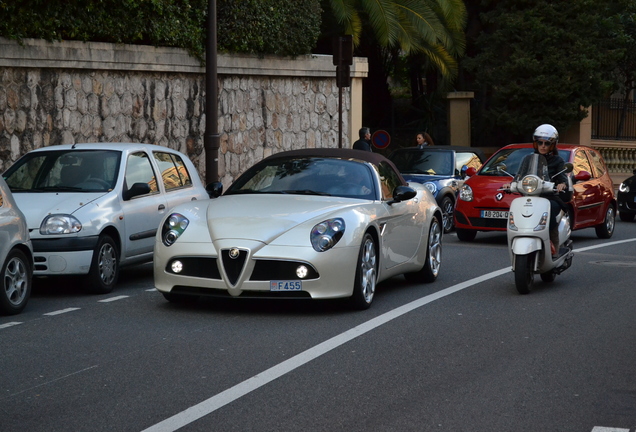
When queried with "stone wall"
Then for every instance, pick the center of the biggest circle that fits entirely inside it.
(71, 92)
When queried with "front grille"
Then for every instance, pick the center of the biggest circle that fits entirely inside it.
(266, 270)
(488, 223)
(233, 266)
(196, 267)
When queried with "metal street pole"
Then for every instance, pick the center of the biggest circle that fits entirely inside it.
(211, 138)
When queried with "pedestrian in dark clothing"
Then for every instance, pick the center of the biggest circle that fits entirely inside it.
(364, 143)
(423, 139)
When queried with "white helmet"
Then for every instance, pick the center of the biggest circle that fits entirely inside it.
(546, 133)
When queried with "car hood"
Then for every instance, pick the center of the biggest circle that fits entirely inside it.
(265, 217)
(486, 191)
(36, 206)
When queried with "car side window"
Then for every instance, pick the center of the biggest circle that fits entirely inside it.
(389, 180)
(469, 159)
(597, 161)
(581, 163)
(139, 170)
(173, 171)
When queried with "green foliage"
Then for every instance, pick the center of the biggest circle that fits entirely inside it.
(246, 26)
(539, 62)
(280, 27)
(432, 27)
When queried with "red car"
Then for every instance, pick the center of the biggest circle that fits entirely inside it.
(481, 206)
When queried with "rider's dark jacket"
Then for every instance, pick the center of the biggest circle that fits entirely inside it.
(556, 164)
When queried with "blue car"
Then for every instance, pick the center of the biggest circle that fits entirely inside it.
(441, 169)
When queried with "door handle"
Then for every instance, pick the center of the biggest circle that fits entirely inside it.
(161, 207)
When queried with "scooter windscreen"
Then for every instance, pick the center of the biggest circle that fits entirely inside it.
(533, 164)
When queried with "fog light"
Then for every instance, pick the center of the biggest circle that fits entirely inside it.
(301, 271)
(176, 266)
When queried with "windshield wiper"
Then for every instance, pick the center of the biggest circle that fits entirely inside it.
(57, 189)
(304, 192)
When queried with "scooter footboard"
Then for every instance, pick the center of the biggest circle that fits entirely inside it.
(525, 245)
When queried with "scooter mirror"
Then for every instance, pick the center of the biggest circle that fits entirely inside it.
(501, 167)
(569, 167)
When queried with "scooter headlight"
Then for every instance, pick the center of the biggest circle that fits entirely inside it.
(529, 184)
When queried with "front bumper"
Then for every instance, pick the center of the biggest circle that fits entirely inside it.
(473, 220)
(63, 256)
(331, 273)
(626, 203)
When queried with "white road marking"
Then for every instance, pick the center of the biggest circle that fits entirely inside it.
(614, 243)
(608, 429)
(113, 299)
(215, 402)
(61, 311)
(9, 324)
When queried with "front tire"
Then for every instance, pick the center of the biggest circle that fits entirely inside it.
(366, 274)
(626, 217)
(104, 270)
(524, 273)
(15, 283)
(430, 271)
(606, 229)
(448, 208)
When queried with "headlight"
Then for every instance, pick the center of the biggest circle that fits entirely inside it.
(60, 224)
(172, 228)
(530, 184)
(466, 193)
(623, 188)
(326, 234)
(431, 186)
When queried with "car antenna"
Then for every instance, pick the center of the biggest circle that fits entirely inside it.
(73, 146)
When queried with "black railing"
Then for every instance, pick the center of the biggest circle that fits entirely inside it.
(614, 119)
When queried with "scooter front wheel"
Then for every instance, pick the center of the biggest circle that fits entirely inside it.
(524, 272)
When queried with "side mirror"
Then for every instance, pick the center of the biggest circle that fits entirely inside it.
(470, 171)
(501, 167)
(214, 189)
(582, 176)
(569, 167)
(402, 193)
(136, 189)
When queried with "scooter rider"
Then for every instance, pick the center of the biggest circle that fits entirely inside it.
(544, 140)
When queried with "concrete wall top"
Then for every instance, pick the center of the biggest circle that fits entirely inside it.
(37, 53)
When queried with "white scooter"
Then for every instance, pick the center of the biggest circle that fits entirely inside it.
(528, 225)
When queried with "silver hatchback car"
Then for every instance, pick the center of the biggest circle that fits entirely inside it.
(92, 208)
(16, 255)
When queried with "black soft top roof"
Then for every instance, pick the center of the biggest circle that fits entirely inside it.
(367, 156)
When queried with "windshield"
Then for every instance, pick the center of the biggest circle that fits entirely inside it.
(533, 164)
(308, 176)
(512, 158)
(64, 171)
(424, 162)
